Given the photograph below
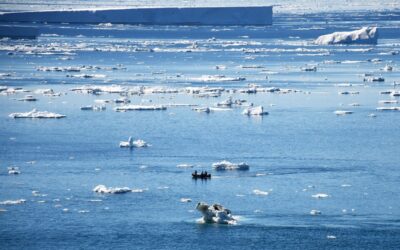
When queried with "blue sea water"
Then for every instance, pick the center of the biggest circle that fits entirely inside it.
(300, 149)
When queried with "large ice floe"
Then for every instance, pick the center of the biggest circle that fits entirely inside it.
(226, 165)
(215, 214)
(259, 110)
(366, 35)
(115, 190)
(36, 114)
(133, 144)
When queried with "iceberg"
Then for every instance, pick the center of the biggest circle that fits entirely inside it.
(133, 144)
(140, 107)
(226, 165)
(260, 192)
(315, 212)
(117, 190)
(215, 213)
(259, 110)
(256, 15)
(366, 35)
(36, 114)
(320, 196)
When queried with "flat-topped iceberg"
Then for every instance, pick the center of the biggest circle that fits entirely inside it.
(259, 110)
(36, 114)
(133, 144)
(140, 107)
(226, 165)
(366, 35)
(215, 213)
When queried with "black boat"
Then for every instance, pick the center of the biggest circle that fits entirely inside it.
(202, 175)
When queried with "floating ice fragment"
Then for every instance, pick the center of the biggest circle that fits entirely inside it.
(343, 112)
(184, 165)
(259, 110)
(205, 110)
(13, 202)
(215, 213)
(186, 200)
(117, 190)
(388, 108)
(226, 165)
(36, 114)
(331, 237)
(28, 98)
(133, 144)
(366, 35)
(320, 196)
(315, 212)
(260, 192)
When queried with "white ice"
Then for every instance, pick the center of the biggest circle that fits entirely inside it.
(36, 114)
(366, 35)
(133, 144)
(259, 110)
(215, 213)
(226, 165)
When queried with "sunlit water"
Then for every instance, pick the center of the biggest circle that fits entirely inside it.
(300, 149)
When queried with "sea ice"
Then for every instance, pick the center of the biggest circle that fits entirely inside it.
(215, 213)
(13, 202)
(117, 190)
(226, 165)
(13, 170)
(260, 192)
(315, 212)
(133, 144)
(343, 112)
(186, 200)
(36, 114)
(320, 196)
(259, 110)
(366, 35)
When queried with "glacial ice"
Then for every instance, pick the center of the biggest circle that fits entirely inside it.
(260, 192)
(215, 213)
(343, 112)
(13, 202)
(366, 35)
(36, 114)
(226, 165)
(320, 196)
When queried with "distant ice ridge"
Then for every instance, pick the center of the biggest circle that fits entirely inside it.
(226, 165)
(133, 144)
(257, 15)
(36, 114)
(366, 35)
(115, 190)
(215, 213)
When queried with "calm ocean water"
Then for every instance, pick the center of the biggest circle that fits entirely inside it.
(299, 150)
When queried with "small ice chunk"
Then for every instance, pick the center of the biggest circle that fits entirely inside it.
(259, 110)
(215, 213)
(133, 144)
(343, 112)
(186, 200)
(320, 196)
(226, 165)
(315, 212)
(331, 237)
(184, 165)
(260, 192)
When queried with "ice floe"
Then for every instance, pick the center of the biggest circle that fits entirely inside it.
(315, 212)
(133, 144)
(366, 35)
(259, 110)
(388, 108)
(260, 192)
(13, 202)
(184, 165)
(112, 190)
(185, 200)
(94, 108)
(320, 196)
(28, 98)
(226, 165)
(36, 114)
(215, 213)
